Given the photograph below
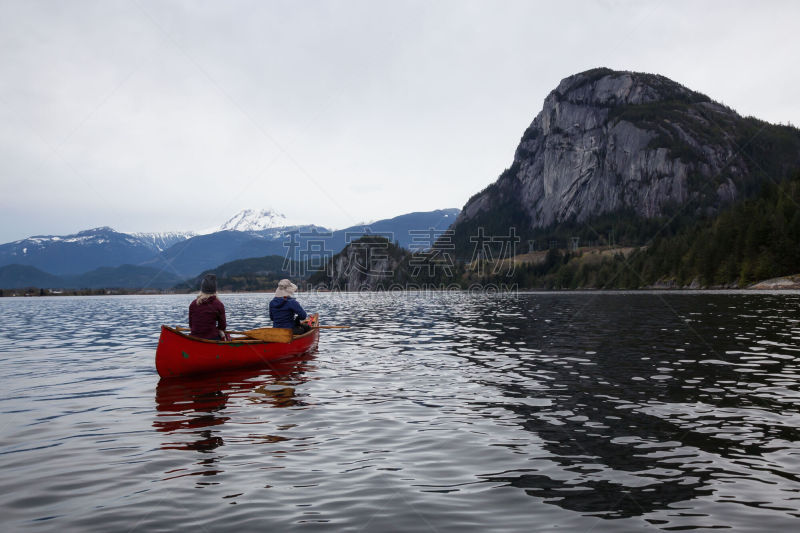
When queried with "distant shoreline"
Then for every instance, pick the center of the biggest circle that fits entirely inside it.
(784, 283)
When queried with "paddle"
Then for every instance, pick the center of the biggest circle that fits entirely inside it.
(276, 334)
(267, 334)
(272, 334)
(262, 334)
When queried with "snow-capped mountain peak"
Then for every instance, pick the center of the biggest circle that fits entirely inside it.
(255, 220)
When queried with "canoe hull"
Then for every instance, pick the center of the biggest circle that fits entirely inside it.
(180, 355)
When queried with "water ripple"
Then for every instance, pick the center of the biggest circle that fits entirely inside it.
(443, 412)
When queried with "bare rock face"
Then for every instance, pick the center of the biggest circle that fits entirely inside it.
(366, 264)
(608, 140)
(357, 269)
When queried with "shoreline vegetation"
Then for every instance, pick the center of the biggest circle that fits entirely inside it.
(783, 283)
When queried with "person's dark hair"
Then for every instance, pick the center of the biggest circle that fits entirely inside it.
(209, 284)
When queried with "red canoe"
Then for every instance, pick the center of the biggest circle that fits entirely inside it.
(179, 354)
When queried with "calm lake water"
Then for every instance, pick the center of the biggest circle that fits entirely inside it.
(443, 412)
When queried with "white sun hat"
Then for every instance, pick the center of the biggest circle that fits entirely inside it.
(285, 288)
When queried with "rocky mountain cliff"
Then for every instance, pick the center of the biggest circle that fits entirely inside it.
(369, 263)
(609, 141)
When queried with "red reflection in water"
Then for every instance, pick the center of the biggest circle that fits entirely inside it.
(189, 407)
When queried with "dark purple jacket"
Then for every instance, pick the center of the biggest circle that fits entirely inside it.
(207, 318)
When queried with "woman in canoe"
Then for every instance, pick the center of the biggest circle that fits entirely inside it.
(285, 311)
(206, 312)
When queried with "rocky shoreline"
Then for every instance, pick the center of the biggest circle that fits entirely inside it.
(785, 282)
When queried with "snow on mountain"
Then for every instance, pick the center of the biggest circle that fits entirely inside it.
(89, 236)
(157, 241)
(255, 220)
(78, 252)
(258, 233)
(160, 241)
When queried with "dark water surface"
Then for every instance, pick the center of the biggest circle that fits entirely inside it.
(444, 412)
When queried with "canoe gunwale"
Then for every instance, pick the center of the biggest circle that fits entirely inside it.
(177, 331)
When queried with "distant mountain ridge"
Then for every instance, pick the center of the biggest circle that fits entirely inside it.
(120, 277)
(162, 241)
(21, 276)
(185, 254)
(205, 252)
(83, 251)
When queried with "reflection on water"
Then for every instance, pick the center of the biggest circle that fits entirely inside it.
(435, 412)
(637, 423)
(188, 408)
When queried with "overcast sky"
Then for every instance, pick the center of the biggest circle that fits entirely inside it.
(174, 115)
